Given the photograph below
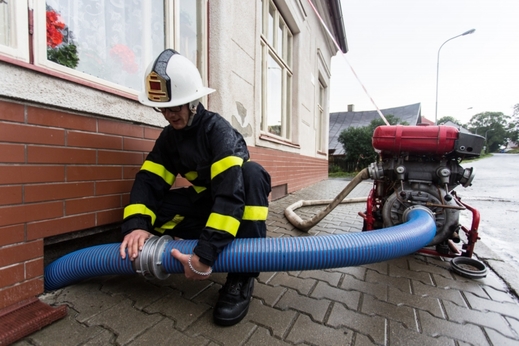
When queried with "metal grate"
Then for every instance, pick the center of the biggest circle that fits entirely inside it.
(26, 317)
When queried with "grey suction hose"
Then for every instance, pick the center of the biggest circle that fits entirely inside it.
(297, 222)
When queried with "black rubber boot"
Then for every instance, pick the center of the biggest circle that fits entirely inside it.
(235, 296)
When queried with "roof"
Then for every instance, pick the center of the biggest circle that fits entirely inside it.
(338, 24)
(341, 121)
(426, 121)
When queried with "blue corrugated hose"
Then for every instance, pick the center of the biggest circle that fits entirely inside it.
(259, 255)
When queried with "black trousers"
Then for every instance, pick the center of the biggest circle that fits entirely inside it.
(184, 216)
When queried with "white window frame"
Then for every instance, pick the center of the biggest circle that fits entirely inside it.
(39, 49)
(284, 59)
(322, 104)
(320, 125)
(20, 35)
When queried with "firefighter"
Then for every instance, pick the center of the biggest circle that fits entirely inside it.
(228, 197)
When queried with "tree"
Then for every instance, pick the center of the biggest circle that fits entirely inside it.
(391, 119)
(357, 146)
(494, 126)
(443, 120)
(513, 127)
(356, 142)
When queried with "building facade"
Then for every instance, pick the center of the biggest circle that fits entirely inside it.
(72, 134)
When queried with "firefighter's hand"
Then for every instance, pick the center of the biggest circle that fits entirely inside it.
(134, 241)
(195, 262)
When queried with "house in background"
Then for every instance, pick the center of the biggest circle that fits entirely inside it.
(424, 120)
(72, 134)
(340, 121)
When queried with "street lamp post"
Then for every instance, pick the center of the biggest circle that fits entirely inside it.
(471, 31)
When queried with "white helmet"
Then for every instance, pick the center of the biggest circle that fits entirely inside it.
(172, 80)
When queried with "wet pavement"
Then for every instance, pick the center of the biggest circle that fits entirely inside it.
(412, 300)
(495, 192)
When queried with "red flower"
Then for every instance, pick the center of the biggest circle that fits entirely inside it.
(126, 56)
(54, 27)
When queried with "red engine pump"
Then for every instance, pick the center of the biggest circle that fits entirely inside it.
(420, 165)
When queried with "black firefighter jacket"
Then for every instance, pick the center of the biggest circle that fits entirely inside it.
(209, 154)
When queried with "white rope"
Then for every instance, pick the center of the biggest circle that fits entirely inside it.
(344, 57)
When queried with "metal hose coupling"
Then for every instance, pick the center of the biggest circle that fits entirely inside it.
(149, 261)
(405, 215)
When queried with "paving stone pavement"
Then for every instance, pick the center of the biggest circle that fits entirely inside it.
(413, 300)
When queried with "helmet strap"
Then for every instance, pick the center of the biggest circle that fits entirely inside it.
(192, 108)
(190, 120)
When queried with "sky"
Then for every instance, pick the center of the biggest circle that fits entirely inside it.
(393, 48)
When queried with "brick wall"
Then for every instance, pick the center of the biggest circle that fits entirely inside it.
(63, 172)
(294, 170)
(59, 173)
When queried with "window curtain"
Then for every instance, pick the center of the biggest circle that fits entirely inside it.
(114, 40)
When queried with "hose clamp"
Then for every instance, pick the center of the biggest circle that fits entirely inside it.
(149, 261)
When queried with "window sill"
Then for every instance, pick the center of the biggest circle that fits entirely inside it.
(271, 138)
(67, 77)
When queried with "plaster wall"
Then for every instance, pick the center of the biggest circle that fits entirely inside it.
(233, 45)
(28, 85)
(315, 59)
(235, 69)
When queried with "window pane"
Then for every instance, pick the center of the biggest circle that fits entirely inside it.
(276, 74)
(188, 30)
(270, 33)
(111, 40)
(320, 117)
(263, 29)
(280, 38)
(274, 97)
(7, 31)
(14, 29)
(288, 105)
(318, 130)
(321, 95)
(288, 50)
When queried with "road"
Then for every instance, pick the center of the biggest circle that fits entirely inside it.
(495, 193)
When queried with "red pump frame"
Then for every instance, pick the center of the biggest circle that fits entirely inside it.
(424, 140)
(471, 234)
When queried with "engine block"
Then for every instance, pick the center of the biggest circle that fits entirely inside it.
(420, 166)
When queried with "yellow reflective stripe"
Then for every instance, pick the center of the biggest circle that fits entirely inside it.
(224, 164)
(199, 189)
(170, 224)
(254, 213)
(139, 209)
(223, 223)
(191, 175)
(159, 170)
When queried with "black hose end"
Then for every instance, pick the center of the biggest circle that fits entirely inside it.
(469, 267)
